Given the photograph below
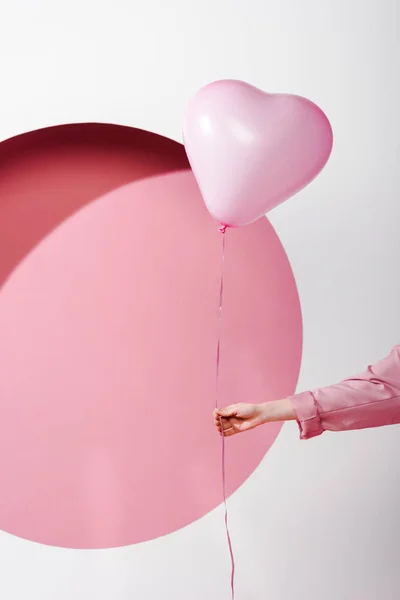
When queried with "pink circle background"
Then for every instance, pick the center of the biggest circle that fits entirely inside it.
(107, 350)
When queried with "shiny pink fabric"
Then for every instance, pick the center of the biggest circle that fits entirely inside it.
(371, 399)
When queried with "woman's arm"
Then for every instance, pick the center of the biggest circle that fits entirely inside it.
(371, 399)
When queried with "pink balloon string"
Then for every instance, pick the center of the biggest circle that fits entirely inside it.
(222, 230)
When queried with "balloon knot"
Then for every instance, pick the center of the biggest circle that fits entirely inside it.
(222, 228)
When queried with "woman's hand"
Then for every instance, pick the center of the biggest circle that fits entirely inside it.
(243, 417)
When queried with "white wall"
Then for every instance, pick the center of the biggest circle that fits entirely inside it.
(317, 519)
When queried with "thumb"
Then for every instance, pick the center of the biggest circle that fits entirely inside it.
(227, 411)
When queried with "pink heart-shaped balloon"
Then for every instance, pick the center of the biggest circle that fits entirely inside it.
(250, 150)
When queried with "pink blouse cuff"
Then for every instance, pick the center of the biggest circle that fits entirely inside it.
(307, 415)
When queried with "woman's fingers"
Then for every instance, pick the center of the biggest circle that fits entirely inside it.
(227, 411)
(223, 424)
(218, 418)
(229, 432)
(228, 425)
(231, 426)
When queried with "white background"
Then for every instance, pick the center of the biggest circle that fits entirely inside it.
(318, 519)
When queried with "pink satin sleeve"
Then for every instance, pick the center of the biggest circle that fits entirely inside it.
(371, 399)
